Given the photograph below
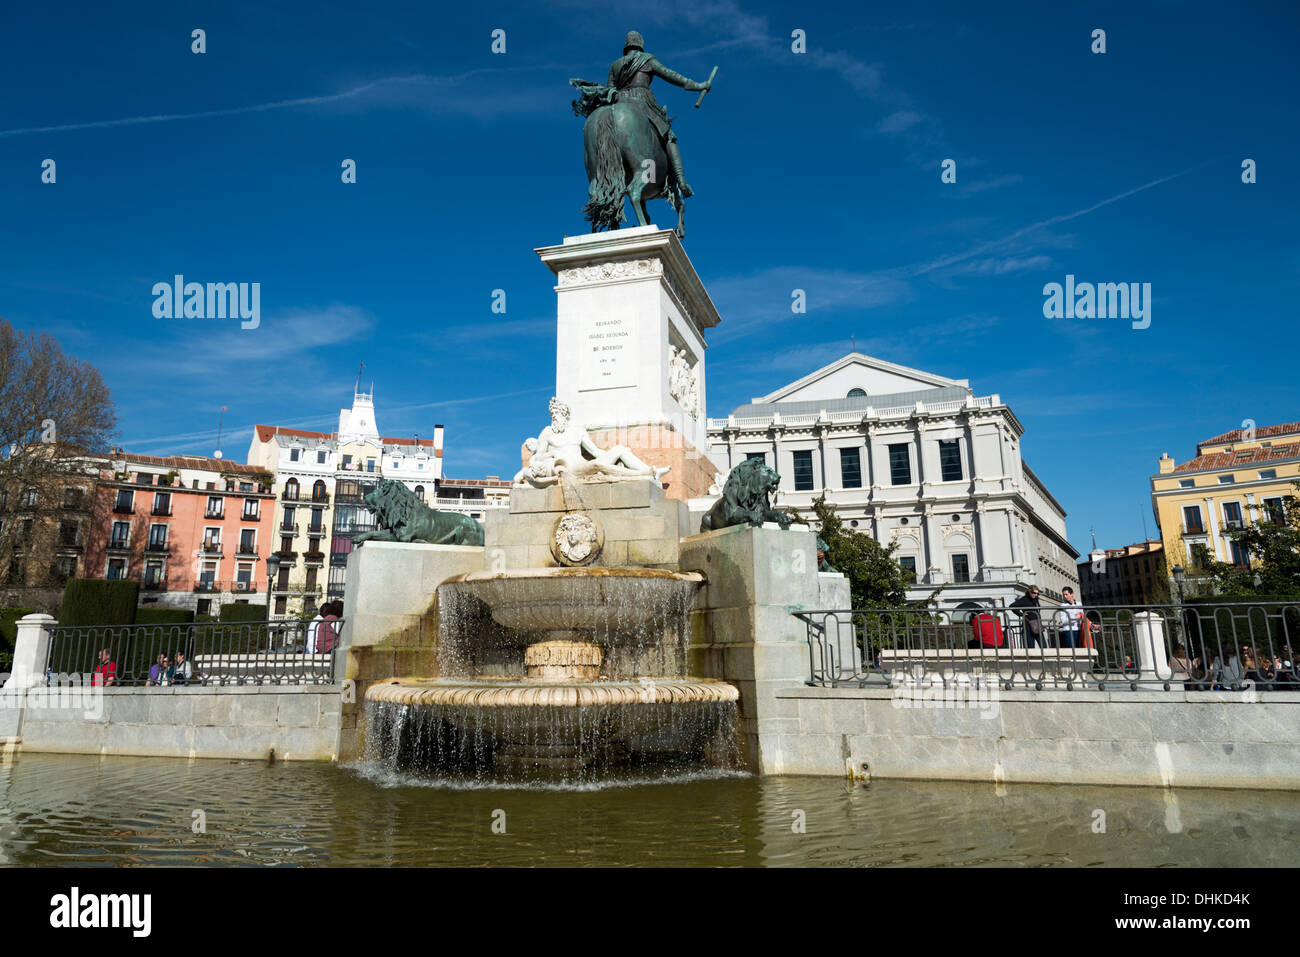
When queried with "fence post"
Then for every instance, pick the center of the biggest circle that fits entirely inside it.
(31, 650)
(1149, 635)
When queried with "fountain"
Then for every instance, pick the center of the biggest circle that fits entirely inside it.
(572, 671)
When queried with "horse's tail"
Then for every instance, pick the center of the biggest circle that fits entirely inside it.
(605, 193)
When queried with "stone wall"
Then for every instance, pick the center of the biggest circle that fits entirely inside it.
(1159, 738)
(300, 722)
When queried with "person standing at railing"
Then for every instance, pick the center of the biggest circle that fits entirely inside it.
(1068, 617)
(1031, 620)
(182, 671)
(327, 633)
(106, 673)
(157, 671)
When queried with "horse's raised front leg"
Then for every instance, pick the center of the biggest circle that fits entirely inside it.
(681, 220)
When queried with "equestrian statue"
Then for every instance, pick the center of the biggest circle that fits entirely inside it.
(631, 149)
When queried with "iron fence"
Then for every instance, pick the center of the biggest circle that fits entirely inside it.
(197, 653)
(1202, 647)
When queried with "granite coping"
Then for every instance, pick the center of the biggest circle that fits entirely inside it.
(1058, 694)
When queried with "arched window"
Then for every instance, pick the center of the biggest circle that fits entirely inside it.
(419, 492)
(318, 491)
(291, 489)
(857, 394)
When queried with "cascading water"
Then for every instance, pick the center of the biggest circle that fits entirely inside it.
(558, 676)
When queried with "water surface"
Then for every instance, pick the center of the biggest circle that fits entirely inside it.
(58, 810)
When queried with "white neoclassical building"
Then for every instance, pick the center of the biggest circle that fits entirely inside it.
(917, 458)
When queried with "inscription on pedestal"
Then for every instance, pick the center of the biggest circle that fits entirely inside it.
(606, 347)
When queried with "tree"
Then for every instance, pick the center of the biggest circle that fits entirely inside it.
(1272, 543)
(55, 412)
(876, 579)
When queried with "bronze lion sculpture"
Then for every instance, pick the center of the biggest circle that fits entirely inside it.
(745, 498)
(404, 518)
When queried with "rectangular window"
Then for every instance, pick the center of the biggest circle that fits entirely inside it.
(245, 575)
(1227, 479)
(761, 456)
(950, 461)
(1273, 511)
(293, 454)
(908, 564)
(1232, 515)
(1268, 473)
(248, 541)
(900, 465)
(121, 534)
(71, 497)
(1192, 519)
(803, 471)
(347, 461)
(851, 468)
(320, 457)
(960, 568)
(370, 465)
(162, 503)
(153, 573)
(125, 500)
(1240, 557)
(212, 539)
(1187, 483)
(157, 535)
(288, 517)
(215, 507)
(116, 569)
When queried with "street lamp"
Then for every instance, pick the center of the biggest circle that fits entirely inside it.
(1179, 574)
(272, 566)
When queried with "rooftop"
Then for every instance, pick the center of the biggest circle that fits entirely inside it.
(1240, 457)
(1239, 435)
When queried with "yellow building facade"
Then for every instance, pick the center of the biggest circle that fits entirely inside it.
(1235, 479)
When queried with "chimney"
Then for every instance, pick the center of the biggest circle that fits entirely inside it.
(437, 441)
(1166, 464)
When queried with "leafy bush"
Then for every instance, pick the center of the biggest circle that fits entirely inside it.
(94, 601)
(9, 627)
(162, 616)
(237, 611)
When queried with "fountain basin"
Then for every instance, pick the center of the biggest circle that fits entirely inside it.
(512, 693)
(595, 599)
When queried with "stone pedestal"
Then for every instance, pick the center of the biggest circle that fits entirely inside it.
(390, 586)
(742, 629)
(631, 314)
(637, 522)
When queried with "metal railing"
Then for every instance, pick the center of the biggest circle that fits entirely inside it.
(1198, 647)
(217, 653)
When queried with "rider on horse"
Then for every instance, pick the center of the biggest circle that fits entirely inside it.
(630, 75)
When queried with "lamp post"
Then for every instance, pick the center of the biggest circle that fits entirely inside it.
(1179, 574)
(272, 566)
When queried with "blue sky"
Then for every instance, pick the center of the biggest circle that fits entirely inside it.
(818, 171)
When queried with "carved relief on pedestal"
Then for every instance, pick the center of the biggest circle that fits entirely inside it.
(684, 380)
(604, 272)
(577, 539)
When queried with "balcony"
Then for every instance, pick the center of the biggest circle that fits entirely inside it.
(1197, 529)
(1233, 524)
(158, 548)
(320, 498)
(243, 587)
(316, 529)
(214, 513)
(159, 584)
(314, 558)
(161, 510)
(207, 585)
(290, 527)
(291, 495)
(124, 509)
(251, 516)
(246, 551)
(286, 556)
(119, 545)
(212, 549)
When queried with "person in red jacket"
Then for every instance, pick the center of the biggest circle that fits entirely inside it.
(106, 673)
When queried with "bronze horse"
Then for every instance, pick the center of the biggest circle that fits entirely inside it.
(625, 157)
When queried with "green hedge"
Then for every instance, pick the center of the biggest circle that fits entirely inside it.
(235, 611)
(149, 615)
(94, 601)
(9, 627)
